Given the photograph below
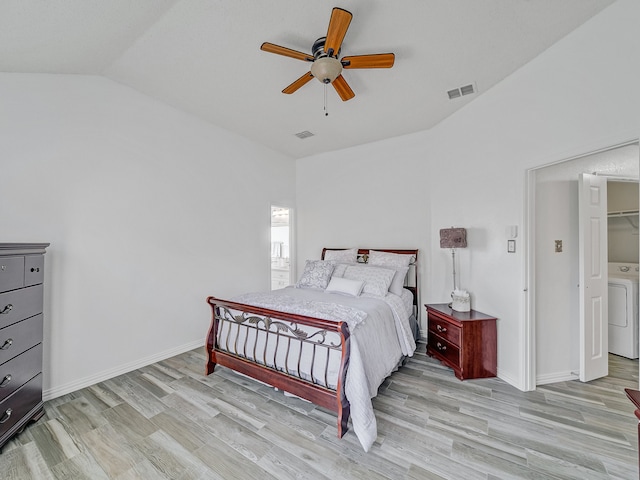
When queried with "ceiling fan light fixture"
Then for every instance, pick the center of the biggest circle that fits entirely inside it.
(326, 69)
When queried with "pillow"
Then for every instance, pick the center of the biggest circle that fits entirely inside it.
(389, 259)
(341, 268)
(345, 286)
(397, 284)
(316, 274)
(376, 279)
(342, 256)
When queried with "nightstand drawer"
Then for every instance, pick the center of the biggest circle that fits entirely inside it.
(444, 329)
(20, 304)
(20, 337)
(11, 273)
(441, 347)
(19, 370)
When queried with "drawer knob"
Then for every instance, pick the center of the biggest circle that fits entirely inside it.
(5, 381)
(6, 309)
(7, 343)
(440, 328)
(35, 269)
(6, 416)
(439, 346)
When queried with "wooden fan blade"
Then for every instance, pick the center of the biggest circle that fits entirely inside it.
(298, 83)
(287, 52)
(343, 88)
(338, 25)
(378, 60)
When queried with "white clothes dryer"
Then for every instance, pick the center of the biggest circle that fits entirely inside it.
(623, 309)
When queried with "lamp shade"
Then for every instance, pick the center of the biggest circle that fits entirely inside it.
(453, 238)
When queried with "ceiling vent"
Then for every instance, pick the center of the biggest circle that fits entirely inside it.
(459, 92)
(305, 134)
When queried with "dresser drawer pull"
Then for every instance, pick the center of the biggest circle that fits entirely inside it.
(7, 343)
(6, 309)
(439, 346)
(35, 269)
(6, 416)
(5, 381)
(440, 328)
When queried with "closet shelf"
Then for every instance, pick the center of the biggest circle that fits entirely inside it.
(626, 213)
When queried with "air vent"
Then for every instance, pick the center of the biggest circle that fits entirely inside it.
(467, 90)
(459, 92)
(305, 134)
(455, 93)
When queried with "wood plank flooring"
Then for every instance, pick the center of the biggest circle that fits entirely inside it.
(168, 421)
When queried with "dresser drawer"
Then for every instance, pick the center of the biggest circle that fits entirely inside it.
(11, 273)
(16, 406)
(19, 370)
(444, 329)
(33, 270)
(20, 304)
(20, 337)
(445, 349)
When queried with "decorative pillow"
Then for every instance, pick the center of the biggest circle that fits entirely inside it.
(316, 274)
(345, 286)
(376, 279)
(389, 259)
(342, 256)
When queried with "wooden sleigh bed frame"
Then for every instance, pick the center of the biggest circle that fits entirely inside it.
(329, 338)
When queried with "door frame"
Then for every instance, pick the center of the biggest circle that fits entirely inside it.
(529, 217)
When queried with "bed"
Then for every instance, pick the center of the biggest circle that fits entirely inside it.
(332, 338)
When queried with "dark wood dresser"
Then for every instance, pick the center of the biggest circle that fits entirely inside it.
(465, 341)
(21, 306)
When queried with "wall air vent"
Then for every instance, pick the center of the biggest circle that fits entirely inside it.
(305, 134)
(461, 91)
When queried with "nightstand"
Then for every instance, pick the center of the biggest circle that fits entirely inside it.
(465, 341)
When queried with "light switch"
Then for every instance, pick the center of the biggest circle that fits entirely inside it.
(511, 246)
(558, 246)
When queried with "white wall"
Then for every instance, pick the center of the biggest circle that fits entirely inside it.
(469, 171)
(148, 211)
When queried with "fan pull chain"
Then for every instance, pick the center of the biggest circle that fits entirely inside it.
(326, 113)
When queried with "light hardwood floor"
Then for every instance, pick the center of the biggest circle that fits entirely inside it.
(167, 420)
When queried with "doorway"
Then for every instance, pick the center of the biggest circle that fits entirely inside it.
(553, 266)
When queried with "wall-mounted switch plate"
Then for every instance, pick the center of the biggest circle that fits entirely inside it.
(558, 246)
(511, 246)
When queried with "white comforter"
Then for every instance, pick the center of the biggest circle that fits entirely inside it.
(380, 337)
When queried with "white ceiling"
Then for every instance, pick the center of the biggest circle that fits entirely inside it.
(203, 56)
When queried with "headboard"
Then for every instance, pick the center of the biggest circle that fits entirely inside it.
(411, 282)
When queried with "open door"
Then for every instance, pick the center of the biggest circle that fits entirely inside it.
(594, 322)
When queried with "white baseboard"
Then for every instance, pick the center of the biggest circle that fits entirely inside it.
(556, 377)
(114, 372)
(508, 379)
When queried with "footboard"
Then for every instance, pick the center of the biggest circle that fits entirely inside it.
(305, 356)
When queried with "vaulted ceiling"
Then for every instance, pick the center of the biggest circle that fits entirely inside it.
(203, 57)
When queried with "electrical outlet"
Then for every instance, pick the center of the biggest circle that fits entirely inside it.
(558, 246)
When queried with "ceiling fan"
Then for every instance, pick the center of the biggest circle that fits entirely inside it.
(326, 65)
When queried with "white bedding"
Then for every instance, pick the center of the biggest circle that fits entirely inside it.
(380, 337)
